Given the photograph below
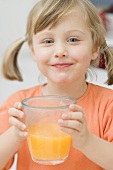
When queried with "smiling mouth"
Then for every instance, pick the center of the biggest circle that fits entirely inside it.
(62, 66)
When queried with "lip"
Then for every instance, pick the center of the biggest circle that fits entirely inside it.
(62, 65)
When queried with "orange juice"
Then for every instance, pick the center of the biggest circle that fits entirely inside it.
(48, 142)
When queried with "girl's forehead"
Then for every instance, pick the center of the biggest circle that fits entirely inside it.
(74, 16)
(69, 24)
(74, 20)
(51, 16)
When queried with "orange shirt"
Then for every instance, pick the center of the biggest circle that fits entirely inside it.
(97, 103)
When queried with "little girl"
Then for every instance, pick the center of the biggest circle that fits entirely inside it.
(65, 37)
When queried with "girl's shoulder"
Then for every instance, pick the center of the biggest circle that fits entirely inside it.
(30, 92)
(99, 91)
(23, 94)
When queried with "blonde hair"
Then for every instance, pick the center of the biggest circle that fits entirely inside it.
(49, 12)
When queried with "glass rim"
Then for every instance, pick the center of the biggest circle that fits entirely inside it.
(23, 102)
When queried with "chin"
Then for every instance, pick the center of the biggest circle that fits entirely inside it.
(62, 82)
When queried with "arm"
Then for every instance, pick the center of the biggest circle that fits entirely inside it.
(12, 139)
(95, 148)
(99, 151)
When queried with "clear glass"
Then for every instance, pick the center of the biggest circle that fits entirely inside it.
(47, 143)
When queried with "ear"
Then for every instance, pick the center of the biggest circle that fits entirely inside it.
(95, 53)
(32, 52)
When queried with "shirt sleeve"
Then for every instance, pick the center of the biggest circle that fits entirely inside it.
(108, 122)
(4, 116)
(4, 120)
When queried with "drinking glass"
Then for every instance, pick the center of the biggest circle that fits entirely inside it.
(47, 143)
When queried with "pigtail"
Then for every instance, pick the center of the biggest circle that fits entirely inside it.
(109, 62)
(10, 65)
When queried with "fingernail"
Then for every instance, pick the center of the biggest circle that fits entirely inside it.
(21, 114)
(23, 127)
(72, 106)
(25, 134)
(64, 115)
(19, 105)
(60, 121)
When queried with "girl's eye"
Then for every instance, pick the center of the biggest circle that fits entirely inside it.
(72, 40)
(48, 41)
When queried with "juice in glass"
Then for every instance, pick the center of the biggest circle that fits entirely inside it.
(48, 143)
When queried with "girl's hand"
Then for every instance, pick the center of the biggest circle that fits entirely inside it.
(16, 120)
(74, 123)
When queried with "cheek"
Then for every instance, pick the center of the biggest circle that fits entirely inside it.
(41, 56)
(41, 61)
(82, 56)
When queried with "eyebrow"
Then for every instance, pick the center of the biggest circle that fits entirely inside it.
(44, 33)
(74, 30)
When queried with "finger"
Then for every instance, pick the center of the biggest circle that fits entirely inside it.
(69, 131)
(76, 125)
(74, 107)
(18, 105)
(73, 116)
(16, 113)
(15, 122)
(23, 134)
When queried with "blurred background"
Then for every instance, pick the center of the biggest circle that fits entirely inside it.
(104, 3)
(13, 17)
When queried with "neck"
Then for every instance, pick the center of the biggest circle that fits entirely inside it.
(75, 90)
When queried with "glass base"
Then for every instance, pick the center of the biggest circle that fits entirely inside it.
(49, 162)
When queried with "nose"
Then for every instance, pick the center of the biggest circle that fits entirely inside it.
(60, 51)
